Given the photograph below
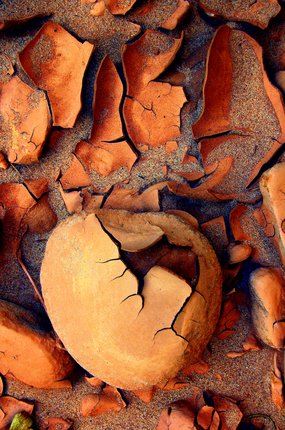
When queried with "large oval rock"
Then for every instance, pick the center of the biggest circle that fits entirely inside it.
(130, 330)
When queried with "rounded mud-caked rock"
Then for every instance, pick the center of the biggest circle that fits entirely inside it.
(133, 297)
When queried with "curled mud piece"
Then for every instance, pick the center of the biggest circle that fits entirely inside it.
(56, 62)
(25, 118)
(108, 150)
(207, 418)
(238, 252)
(28, 353)
(193, 414)
(178, 415)
(247, 125)
(56, 423)
(267, 289)
(272, 186)
(109, 399)
(277, 385)
(98, 8)
(230, 315)
(182, 9)
(133, 200)
(75, 176)
(105, 157)
(151, 109)
(108, 93)
(16, 202)
(257, 12)
(250, 227)
(115, 7)
(140, 323)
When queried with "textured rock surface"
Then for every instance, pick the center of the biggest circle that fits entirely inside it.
(135, 332)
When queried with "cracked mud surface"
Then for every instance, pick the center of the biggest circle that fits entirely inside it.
(251, 381)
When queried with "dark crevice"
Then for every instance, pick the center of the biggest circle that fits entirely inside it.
(119, 139)
(107, 261)
(134, 295)
(169, 328)
(200, 294)
(117, 243)
(120, 70)
(128, 267)
(150, 109)
(278, 321)
(179, 312)
(120, 276)
(165, 255)
(237, 132)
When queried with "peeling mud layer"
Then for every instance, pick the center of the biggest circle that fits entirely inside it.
(245, 378)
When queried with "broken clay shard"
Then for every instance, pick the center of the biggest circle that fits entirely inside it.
(256, 13)
(16, 202)
(108, 400)
(41, 218)
(40, 361)
(208, 418)
(215, 117)
(105, 158)
(178, 415)
(132, 200)
(134, 242)
(147, 339)
(108, 93)
(267, 288)
(201, 367)
(251, 343)
(229, 412)
(75, 176)
(151, 109)
(230, 315)
(25, 118)
(250, 226)
(277, 385)
(238, 252)
(56, 62)
(175, 383)
(204, 191)
(145, 395)
(182, 9)
(273, 190)
(73, 200)
(37, 187)
(224, 128)
(98, 9)
(95, 382)
(56, 423)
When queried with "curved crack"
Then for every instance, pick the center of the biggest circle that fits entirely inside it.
(169, 328)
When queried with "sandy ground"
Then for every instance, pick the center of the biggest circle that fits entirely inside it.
(246, 378)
